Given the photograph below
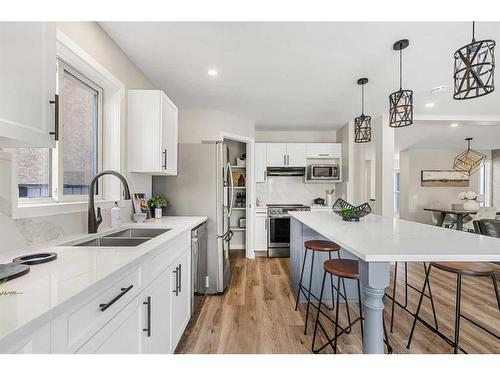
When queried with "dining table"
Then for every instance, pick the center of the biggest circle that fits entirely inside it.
(460, 214)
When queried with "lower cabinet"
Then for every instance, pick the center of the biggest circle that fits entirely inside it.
(180, 308)
(261, 232)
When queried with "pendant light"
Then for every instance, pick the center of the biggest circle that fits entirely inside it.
(401, 101)
(362, 124)
(474, 69)
(469, 161)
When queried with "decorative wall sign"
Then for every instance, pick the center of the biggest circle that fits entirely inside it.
(443, 178)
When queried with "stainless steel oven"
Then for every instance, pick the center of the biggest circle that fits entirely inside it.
(278, 239)
(323, 172)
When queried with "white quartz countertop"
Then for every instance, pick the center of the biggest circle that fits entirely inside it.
(50, 285)
(377, 238)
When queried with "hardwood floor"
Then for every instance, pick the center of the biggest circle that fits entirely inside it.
(257, 314)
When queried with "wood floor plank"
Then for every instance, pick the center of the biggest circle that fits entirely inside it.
(257, 314)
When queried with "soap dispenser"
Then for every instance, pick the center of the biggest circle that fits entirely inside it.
(116, 216)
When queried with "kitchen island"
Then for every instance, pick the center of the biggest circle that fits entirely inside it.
(375, 241)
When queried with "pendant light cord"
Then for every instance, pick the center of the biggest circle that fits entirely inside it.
(400, 69)
(362, 99)
(473, 31)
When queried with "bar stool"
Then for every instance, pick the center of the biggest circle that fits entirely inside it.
(318, 246)
(474, 269)
(342, 268)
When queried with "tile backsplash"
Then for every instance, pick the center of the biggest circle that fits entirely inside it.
(291, 190)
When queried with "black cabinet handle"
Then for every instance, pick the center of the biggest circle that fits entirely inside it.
(176, 290)
(55, 133)
(180, 278)
(105, 306)
(148, 328)
(165, 159)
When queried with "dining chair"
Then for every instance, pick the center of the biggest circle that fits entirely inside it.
(482, 213)
(449, 220)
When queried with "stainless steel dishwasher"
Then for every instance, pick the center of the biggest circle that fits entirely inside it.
(199, 266)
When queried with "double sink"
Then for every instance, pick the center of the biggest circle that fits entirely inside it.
(129, 237)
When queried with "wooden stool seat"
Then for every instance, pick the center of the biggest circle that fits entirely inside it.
(469, 268)
(347, 268)
(318, 245)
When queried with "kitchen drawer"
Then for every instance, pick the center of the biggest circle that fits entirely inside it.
(73, 329)
(159, 262)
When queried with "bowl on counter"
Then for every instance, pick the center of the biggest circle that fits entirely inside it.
(139, 217)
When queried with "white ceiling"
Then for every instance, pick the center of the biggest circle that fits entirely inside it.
(298, 75)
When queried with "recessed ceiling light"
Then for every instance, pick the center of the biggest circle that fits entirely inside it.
(429, 105)
(454, 125)
(439, 90)
(212, 72)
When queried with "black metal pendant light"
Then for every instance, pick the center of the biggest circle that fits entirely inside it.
(362, 124)
(474, 69)
(401, 101)
(469, 161)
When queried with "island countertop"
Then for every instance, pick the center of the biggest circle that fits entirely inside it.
(48, 288)
(381, 239)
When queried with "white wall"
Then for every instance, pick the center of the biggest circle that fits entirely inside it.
(293, 136)
(197, 126)
(22, 232)
(291, 190)
(414, 197)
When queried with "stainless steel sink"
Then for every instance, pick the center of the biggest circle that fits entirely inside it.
(114, 242)
(138, 233)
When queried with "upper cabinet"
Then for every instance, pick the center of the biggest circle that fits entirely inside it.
(323, 150)
(286, 155)
(260, 162)
(28, 84)
(152, 133)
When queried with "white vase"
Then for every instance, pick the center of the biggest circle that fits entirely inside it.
(471, 205)
(158, 213)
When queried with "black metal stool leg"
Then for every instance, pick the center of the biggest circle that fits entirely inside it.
(360, 311)
(495, 286)
(394, 293)
(336, 318)
(428, 273)
(457, 313)
(430, 297)
(309, 295)
(331, 283)
(317, 314)
(299, 289)
(345, 299)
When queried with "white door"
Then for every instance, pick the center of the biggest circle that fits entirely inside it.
(157, 315)
(260, 162)
(123, 334)
(169, 135)
(276, 154)
(323, 150)
(180, 289)
(261, 232)
(296, 154)
(28, 83)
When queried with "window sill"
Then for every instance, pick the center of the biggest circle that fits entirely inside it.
(28, 210)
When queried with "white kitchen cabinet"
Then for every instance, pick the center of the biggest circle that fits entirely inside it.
(260, 162)
(261, 231)
(286, 155)
(276, 154)
(122, 335)
(296, 154)
(157, 302)
(28, 84)
(323, 150)
(180, 289)
(152, 133)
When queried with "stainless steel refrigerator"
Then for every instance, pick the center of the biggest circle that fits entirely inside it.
(204, 186)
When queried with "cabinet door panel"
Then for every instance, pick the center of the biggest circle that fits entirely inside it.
(28, 83)
(169, 135)
(181, 300)
(261, 232)
(276, 154)
(296, 154)
(260, 162)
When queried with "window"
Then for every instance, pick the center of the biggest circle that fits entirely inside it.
(64, 173)
(396, 191)
(485, 184)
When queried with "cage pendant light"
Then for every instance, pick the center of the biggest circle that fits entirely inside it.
(401, 101)
(362, 124)
(469, 161)
(474, 70)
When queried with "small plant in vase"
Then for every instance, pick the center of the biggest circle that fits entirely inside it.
(470, 199)
(156, 204)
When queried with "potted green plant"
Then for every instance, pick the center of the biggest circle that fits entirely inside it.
(156, 204)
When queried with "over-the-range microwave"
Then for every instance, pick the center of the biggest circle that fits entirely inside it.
(322, 172)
